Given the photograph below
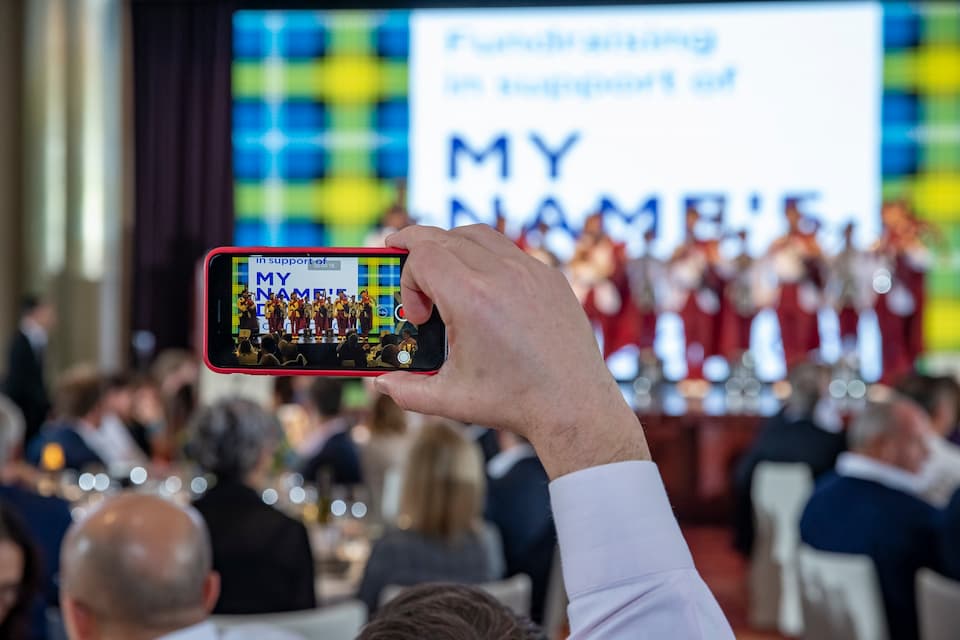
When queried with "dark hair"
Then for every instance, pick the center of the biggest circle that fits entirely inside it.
(268, 344)
(120, 380)
(13, 530)
(390, 338)
(921, 389)
(326, 394)
(269, 360)
(245, 347)
(79, 392)
(29, 303)
(288, 351)
(441, 611)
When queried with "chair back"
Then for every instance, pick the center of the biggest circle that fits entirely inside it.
(841, 597)
(513, 592)
(938, 606)
(338, 622)
(555, 603)
(779, 492)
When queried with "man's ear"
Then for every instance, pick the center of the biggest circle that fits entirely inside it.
(211, 591)
(79, 621)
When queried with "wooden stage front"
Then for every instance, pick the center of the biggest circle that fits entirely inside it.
(696, 455)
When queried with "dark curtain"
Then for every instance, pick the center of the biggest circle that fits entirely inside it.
(184, 179)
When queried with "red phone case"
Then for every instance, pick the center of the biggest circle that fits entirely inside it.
(339, 373)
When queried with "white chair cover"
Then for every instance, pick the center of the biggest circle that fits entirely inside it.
(938, 606)
(337, 622)
(779, 493)
(841, 597)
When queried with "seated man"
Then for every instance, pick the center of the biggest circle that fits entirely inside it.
(793, 435)
(138, 568)
(46, 518)
(626, 567)
(518, 503)
(869, 506)
(939, 397)
(79, 406)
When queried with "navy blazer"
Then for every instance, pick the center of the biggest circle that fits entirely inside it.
(76, 453)
(338, 455)
(25, 383)
(46, 520)
(896, 530)
(950, 538)
(518, 503)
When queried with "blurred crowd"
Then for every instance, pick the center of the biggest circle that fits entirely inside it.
(886, 482)
(439, 500)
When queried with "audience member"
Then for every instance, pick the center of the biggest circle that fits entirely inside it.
(486, 438)
(939, 397)
(76, 431)
(138, 568)
(350, 350)
(328, 453)
(46, 519)
(246, 354)
(176, 372)
(290, 356)
(19, 578)
(383, 455)
(262, 555)
(792, 435)
(869, 506)
(440, 534)
(116, 426)
(443, 611)
(268, 347)
(626, 567)
(950, 538)
(518, 503)
(26, 384)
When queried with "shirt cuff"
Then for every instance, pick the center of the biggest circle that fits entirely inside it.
(615, 524)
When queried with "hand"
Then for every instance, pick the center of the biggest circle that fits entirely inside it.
(522, 354)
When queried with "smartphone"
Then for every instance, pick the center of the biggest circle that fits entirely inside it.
(312, 311)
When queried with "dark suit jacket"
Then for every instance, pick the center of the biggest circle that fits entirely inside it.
(518, 503)
(339, 455)
(950, 538)
(77, 454)
(262, 555)
(896, 530)
(46, 520)
(781, 440)
(25, 384)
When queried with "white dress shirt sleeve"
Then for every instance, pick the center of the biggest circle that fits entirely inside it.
(626, 567)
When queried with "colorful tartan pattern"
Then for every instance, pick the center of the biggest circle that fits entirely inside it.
(921, 141)
(320, 119)
(240, 280)
(381, 278)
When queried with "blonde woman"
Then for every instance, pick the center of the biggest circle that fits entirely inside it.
(384, 455)
(440, 533)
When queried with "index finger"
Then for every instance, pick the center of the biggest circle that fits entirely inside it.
(431, 275)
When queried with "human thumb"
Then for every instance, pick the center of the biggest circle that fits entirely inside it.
(413, 392)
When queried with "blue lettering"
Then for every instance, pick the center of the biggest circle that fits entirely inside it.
(282, 294)
(283, 278)
(458, 209)
(553, 157)
(499, 145)
(264, 277)
(264, 295)
(303, 293)
(650, 208)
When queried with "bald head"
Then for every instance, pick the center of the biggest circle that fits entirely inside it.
(139, 561)
(892, 430)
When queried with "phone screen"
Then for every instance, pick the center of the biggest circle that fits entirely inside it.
(334, 310)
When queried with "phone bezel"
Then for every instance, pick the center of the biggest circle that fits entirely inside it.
(211, 297)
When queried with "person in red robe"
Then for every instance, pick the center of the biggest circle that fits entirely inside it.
(849, 290)
(366, 314)
(740, 305)
(693, 273)
(798, 263)
(343, 314)
(319, 313)
(295, 314)
(247, 309)
(274, 311)
(902, 262)
(597, 276)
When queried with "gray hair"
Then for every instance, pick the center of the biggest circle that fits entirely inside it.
(229, 437)
(878, 418)
(12, 427)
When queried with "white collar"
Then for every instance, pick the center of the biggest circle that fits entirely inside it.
(36, 334)
(501, 464)
(205, 630)
(855, 465)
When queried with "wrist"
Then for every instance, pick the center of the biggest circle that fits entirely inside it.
(602, 431)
